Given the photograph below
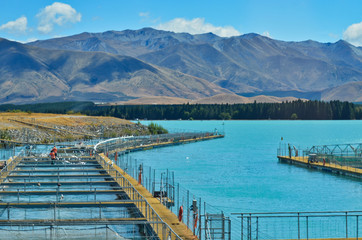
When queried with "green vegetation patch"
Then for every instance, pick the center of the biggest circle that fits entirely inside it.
(154, 128)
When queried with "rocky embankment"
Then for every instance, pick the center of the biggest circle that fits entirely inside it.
(47, 128)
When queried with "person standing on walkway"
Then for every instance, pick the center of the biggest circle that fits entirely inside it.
(55, 150)
(295, 151)
(52, 156)
(290, 151)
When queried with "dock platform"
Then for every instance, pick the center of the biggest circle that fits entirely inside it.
(319, 165)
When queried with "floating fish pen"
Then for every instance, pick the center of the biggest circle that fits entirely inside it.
(342, 159)
(342, 154)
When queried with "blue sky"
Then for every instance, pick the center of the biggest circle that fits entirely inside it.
(288, 20)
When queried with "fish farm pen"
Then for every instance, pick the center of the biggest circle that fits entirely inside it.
(96, 190)
(84, 195)
(343, 159)
(342, 154)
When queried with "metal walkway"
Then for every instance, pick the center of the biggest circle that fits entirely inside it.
(342, 159)
(323, 166)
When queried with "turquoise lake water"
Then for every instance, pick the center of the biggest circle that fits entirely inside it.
(241, 173)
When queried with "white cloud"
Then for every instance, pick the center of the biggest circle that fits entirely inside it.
(56, 14)
(353, 34)
(17, 26)
(266, 34)
(197, 26)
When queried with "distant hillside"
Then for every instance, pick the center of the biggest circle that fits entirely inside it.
(161, 100)
(32, 74)
(246, 65)
(345, 92)
(222, 98)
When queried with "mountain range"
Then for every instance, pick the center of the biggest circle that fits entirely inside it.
(124, 65)
(33, 74)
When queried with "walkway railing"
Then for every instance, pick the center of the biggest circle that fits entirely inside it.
(10, 165)
(301, 225)
(129, 142)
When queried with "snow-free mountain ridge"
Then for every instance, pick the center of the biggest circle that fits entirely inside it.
(123, 65)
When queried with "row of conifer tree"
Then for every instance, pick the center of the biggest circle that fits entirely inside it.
(304, 110)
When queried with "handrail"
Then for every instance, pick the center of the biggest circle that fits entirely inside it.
(135, 141)
(138, 193)
(291, 213)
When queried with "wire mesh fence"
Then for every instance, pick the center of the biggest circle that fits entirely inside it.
(300, 225)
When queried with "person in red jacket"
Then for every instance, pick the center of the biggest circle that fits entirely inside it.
(52, 156)
(55, 150)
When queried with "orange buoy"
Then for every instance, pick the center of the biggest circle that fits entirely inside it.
(196, 219)
(140, 177)
(180, 213)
